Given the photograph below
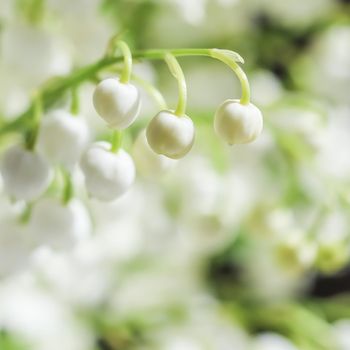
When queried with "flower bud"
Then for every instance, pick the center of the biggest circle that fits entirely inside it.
(57, 225)
(117, 103)
(108, 175)
(147, 162)
(170, 135)
(238, 123)
(63, 137)
(26, 175)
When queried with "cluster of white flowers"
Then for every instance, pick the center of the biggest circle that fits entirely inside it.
(71, 254)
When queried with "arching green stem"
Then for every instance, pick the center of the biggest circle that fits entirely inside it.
(127, 56)
(126, 74)
(230, 61)
(228, 57)
(116, 140)
(177, 72)
(53, 89)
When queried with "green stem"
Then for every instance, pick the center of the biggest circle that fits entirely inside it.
(34, 129)
(75, 103)
(220, 55)
(152, 91)
(127, 55)
(55, 88)
(177, 72)
(116, 140)
(25, 216)
(125, 77)
(68, 190)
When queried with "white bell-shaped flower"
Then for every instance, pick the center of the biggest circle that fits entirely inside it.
(63, 137)
(26, 174)
(238, 123)
(108, 175)
(117, 103)
(148, 162)
(171, 135)
(58, 225)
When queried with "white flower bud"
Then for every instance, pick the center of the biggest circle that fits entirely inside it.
(117, 103)
(57, 225)
(147, 162)
(170, 135)
(107, 175)
(26, 174)
(63, 137)
(238, 123)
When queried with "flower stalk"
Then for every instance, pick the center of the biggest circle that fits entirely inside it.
(54, 89)
(177, 72)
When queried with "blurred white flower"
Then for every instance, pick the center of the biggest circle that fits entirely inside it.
(279, 221)
(61, 271)
(15, 247)
(149, 163)
(193, 11)
(108, 175)
(34, 55)
(14, 97)
(39, 319)
(206, 327)
(341, 331)
(333, 50)
(279, 285)
(26, 175)
(325, 67)
(295, 252)
(296, 13)
(87, 37)
(332, 160)
(153, 288)
(63, 137)
(58, 225)
(6, 10)
(306, 124)
(272, 341)
(266, 88)
(334, 227)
